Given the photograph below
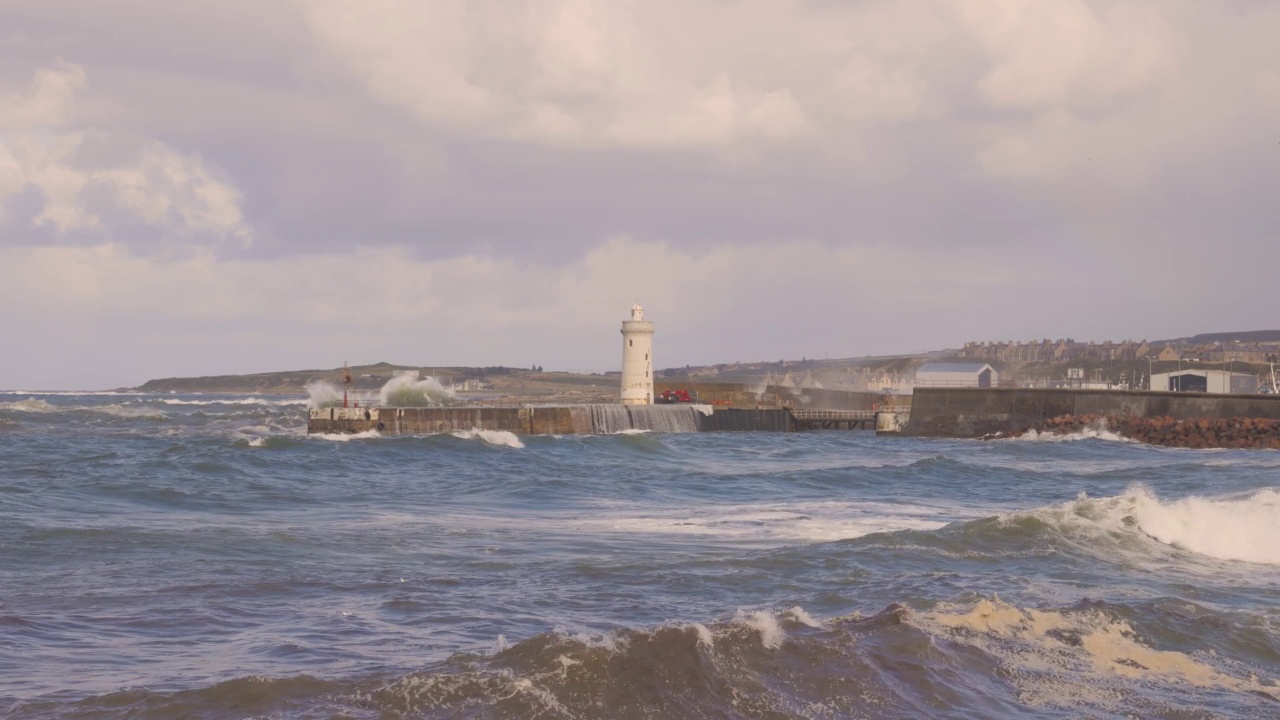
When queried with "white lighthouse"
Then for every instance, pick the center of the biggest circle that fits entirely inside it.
(637, 359)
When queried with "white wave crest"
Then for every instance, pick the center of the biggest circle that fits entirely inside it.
(803, 617)
(126, 411)
(37, 405)
(1241, 528)
(34, 405)
(501, 438)
(763, 622)
(1227, 528)
(237, 401)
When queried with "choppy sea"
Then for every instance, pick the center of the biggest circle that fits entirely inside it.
(202, 557)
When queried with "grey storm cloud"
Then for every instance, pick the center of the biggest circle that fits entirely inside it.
(483, 182)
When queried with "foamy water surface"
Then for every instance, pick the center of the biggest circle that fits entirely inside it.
(201, 556)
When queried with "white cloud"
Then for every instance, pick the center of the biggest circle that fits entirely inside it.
(1053, 55)
(633, 74)
(155, 186)
(48, 102)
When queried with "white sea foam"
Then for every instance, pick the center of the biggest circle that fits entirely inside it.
(1068, 658)
(346, 437)
(778, 523)
(1099, 432)
(501, 438)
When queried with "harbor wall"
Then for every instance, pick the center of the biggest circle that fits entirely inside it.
(739, 395)
(551, 420)
(977, 412)
(747, 420)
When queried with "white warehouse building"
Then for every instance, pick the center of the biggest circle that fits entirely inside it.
(1205, 381)
(942, 374)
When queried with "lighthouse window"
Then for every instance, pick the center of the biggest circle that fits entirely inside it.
(646, 356)
(630, 343)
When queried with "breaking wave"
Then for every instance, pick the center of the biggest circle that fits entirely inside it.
(405, 391)
(34, 405)
(501, 438)
(37, 405)
(1090, 433)
(987, 656)
(323, 394)
(239, 401)
(1242, 528)
(346, 437)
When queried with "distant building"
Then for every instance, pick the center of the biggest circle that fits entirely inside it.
(1205, 381)
(1169, 354)
(1240, 352)
(956, 375)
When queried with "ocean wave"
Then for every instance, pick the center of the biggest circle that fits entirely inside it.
(123, 411)
(983, 658)
(1237, 528)
(31, 405)
(237, 401)
(500, 438)
(1090, 433)
(37, 405)
(777, 523)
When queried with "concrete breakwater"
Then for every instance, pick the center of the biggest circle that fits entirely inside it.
(1164, 417)
(595, 419)
(1240, 432)
(975, 412)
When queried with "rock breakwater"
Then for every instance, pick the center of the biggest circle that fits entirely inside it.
(1236, 432)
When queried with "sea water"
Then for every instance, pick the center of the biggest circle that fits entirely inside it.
(200, 556)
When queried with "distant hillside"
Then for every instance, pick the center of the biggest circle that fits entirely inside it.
(363, 377)
(1247, 336)
(493, 380)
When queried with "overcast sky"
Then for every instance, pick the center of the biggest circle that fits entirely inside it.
(230, 186)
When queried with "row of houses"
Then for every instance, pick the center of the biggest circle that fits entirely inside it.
(1069, 350)
(1056, 351)
(982, 375)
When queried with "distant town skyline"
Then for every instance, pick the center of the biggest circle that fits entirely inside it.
(219, 188)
